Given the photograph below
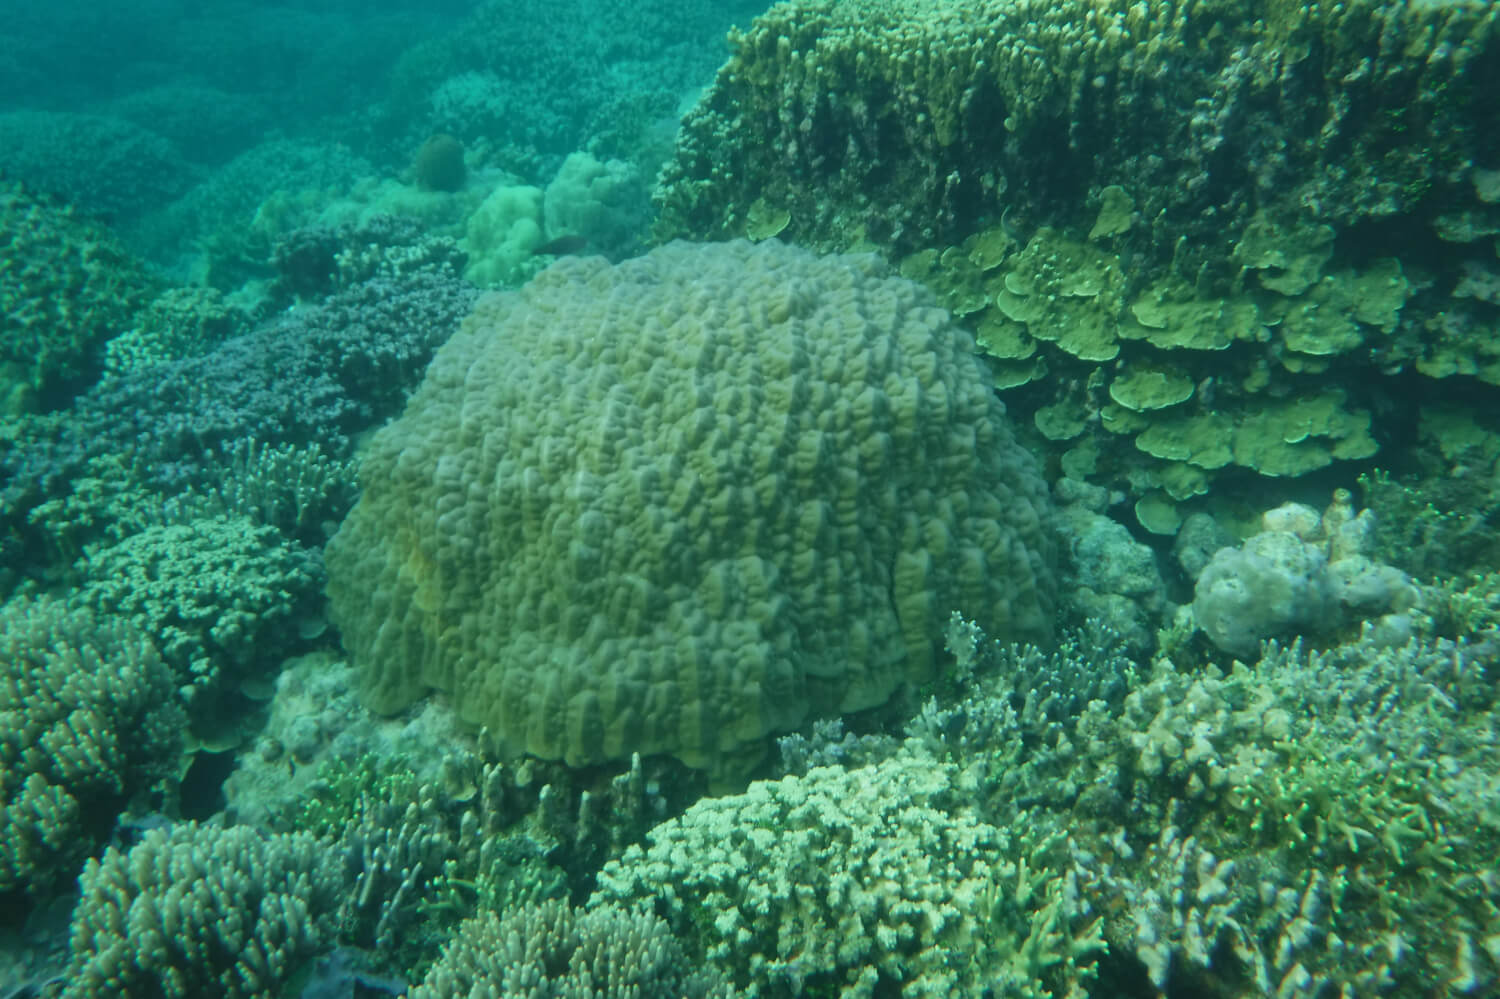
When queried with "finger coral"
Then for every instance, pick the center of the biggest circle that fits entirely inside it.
(197, 910)
(88, 723)
(551, 950)
(842, 879)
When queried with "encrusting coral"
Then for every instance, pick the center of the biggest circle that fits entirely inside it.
(680, 503)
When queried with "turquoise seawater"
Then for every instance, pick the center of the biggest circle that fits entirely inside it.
(861, 498)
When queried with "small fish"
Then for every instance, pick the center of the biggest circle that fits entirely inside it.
(561, 246)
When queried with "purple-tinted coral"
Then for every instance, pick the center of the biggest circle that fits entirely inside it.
(319, 374)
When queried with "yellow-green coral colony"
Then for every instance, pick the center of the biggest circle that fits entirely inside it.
(1096, 262)
(1155, 365)
(748, 504)
(1101, 77)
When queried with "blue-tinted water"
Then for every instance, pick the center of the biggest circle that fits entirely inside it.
(855, 497)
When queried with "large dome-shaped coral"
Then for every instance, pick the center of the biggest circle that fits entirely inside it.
(677, 504)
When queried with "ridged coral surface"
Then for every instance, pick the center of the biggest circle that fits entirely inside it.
(676, 504)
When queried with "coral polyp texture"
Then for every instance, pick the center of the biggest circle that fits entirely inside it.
(199, 910)
(1198, 239)
(89, 728)
(66, 285)
(906, 120)
(680, 503)
(846, 880)
(548, 950)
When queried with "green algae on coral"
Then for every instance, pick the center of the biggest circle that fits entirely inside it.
(1201, 439)
(1145, 387)
(1115, 208)
(765, 220)
(1172, 316)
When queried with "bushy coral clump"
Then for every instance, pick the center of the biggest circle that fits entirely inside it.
(89, 726)
(314, 377)
(552, 951)
(1273, 830)
(178, 323)
(198, 910)
(222, 598)
(857, 880)
(66, 288)
(109, 167)
(424, 854)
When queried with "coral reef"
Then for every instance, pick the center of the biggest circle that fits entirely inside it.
(857, 880)
(206, 124)
(221, 597)
(315, 376)
(957, 110)
(278, 185)
(531, 84)
(180, 322)
(1304, 575)
(502, 235)
(551, 951)
(1111, 577)
(605, 203)
(1203, 386)
(89, 727)
(67, 287)
(318, 737)
(1307, 824)
(108, 167)
(299, 491)
(197, 910)
(422, 856)
(1217, 231)
(683, 503)
(428, 850)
